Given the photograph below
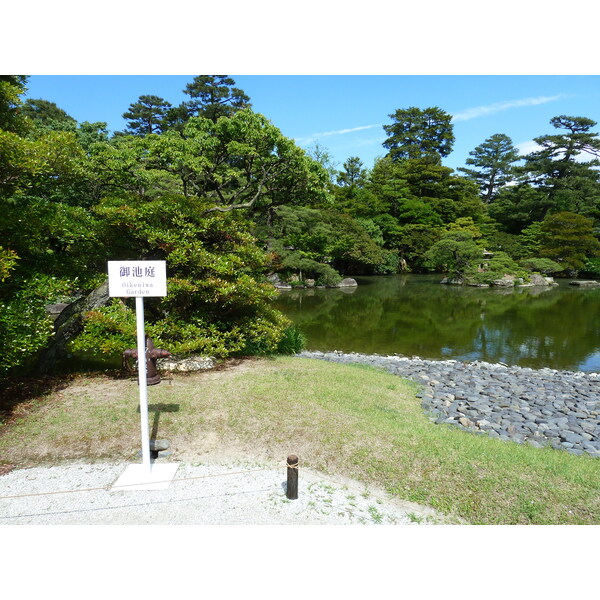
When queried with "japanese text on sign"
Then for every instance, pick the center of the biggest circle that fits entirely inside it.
(137, 278)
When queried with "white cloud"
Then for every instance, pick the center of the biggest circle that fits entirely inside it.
(527, 147)
(316, 136)
(480, 111)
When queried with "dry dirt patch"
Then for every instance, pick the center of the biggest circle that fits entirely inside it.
(97, 418)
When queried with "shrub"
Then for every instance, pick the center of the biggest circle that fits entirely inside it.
(545, 266)
(292, 342)
(391, 264)
(25, 326)
(456, 254)
(591, 268)
(111, 330)
(496, 268)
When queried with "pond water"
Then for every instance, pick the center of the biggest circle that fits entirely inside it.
(413, 315)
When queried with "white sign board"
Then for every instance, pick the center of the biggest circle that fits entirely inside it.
(137, 278)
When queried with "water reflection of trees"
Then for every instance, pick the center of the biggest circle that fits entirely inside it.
(415, 315)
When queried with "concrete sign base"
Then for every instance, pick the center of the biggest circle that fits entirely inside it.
(137, 477)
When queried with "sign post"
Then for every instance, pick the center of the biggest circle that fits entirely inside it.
(141, 279)
(142, 381)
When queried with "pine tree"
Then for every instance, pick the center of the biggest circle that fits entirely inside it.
(147, 115)
(494, 164)
(419, 133)
(214, 96)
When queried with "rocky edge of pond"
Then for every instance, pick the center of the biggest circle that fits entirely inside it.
(540, 407)
(295, 281)
(510, 281)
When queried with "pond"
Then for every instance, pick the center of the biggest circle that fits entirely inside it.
(413, 315)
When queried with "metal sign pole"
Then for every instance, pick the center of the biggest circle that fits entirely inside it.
(136, 279)
(141, 348)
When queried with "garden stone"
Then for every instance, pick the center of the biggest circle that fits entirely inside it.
(347, 282)
(557, 408)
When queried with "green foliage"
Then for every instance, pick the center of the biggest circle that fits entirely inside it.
(516, 207)
(390, 264)
(47, 116)
(52, 237)
(494, 164)
(353, 175)
(214, 96)
(51, 165)
(455, 254)
(111, 330)
(496, 240)
(147, 115)
(291, 262)
(25, 326)
(292, 341)
(11, 87)
(568, 238)
(413, 243)
(301, 234)
(467, 225)
(496, 268)
(545, 266)
(531, 238)
(238, 162)
(215, 302)
(323, 157)
(591, 268)
(449, 196)
(8, 260)
(417, 132)
(570, 183)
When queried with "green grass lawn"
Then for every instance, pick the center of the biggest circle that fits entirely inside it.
(347, 420)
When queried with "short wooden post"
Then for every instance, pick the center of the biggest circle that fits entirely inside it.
(292, 477)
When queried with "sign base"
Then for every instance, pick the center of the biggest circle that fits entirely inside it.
(137, 477)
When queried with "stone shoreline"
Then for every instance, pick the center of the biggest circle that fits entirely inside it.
(540, 407)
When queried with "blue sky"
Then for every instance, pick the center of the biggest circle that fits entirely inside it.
(345, 113)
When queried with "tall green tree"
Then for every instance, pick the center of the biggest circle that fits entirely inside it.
(568, 239)
(418, 133)
(354, 173)
(147, 115)
(493, 163)
(351, 184)
(566, 166)
(214, 96)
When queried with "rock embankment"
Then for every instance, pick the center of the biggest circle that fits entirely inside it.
(279, 284)
(541, 407)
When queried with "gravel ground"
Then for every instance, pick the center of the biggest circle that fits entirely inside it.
(232, 494)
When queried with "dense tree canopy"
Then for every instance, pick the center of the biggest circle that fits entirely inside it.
(419, 133)
(568, 238)
(219, 193)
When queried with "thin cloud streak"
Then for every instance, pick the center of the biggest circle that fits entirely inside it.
(316, 136)
(480, 111)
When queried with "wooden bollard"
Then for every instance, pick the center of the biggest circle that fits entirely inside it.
(292, 477)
